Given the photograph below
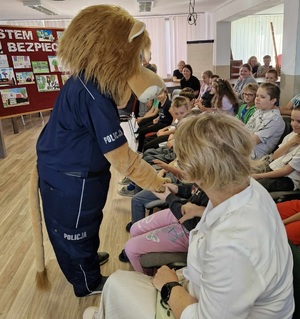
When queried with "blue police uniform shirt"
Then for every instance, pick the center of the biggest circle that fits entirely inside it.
(83, 125)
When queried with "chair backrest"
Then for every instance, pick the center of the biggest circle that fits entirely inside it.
(130, 106)
(283, 196)
(288, 128)
(296, 281)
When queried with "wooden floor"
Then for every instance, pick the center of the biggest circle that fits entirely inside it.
(19, 298)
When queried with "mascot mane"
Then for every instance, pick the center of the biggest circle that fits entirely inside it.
(104, 31)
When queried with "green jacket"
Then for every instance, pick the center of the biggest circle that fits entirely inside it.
(246, 116)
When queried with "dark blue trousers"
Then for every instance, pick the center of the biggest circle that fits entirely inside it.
(73, 213)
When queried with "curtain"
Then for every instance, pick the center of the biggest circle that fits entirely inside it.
(181, 32)
(169, 35)
(156, 27)
(252, 36)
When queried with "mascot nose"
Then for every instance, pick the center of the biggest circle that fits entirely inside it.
(150, 93)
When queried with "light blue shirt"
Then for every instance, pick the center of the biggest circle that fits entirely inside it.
(269, 127)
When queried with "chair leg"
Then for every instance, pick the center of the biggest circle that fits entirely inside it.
(42, 117)
(131, 127)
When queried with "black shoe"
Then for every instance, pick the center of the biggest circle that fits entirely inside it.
(99, 289)
(103, 258)
(128, 226)
(123, 257)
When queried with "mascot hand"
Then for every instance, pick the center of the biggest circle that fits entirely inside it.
(164, 180)
(131, 165)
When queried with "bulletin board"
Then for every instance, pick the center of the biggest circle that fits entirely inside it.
(31, 75)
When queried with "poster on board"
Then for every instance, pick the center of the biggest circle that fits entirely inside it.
(7, 77)
(25, 78)
(31, 76)
(14, 97)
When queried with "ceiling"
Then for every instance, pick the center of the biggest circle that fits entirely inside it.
(15, 10)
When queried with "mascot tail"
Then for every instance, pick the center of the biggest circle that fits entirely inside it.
(36, 219)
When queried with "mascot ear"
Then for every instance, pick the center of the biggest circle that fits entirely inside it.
(145, 84)
(137, 29)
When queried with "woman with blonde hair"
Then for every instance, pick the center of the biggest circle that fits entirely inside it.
(205, 83)
(239, 264)
(253, 62)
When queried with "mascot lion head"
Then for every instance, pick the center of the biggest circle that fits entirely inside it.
(107, 43)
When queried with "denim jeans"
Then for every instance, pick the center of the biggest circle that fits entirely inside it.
(138, 203)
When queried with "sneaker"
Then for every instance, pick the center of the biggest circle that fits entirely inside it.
(124, 181)
(125, 192)
(90, 313)
(99, 289)
(123, 257)
(128, 226)
(103, 258)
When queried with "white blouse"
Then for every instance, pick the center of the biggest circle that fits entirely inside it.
(239, 261)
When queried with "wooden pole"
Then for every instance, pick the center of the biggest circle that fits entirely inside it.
(277, 67)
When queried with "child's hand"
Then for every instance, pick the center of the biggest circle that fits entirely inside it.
(160, 163)
(170, 143)
(155, 121)
(190, 210)
(296, 140)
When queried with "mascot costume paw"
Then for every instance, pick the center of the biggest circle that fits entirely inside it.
(102, 48)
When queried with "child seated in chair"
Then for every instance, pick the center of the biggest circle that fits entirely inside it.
(266, 124)
(180, 107)
(247, 109)
(166, 230)
(165, 118)
(283, 173)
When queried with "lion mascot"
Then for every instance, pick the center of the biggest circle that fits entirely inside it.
(102, 47)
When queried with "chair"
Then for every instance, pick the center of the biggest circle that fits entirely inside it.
(281, 196)
(153, 261)
(156, 204)
(127, 114)
(288, 128)
(296, 281)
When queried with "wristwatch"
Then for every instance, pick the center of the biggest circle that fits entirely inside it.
(166, 290)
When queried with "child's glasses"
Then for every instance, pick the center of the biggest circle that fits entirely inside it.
(248, 94)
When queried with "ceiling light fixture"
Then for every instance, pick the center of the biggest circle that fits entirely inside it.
(145, 5)
(38, 6)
